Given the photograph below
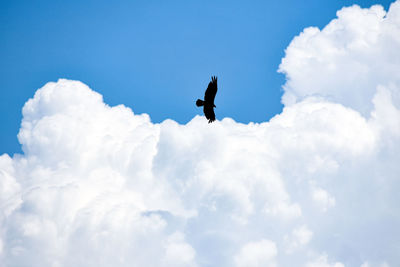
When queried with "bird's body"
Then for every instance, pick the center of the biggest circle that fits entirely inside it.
(208, 103)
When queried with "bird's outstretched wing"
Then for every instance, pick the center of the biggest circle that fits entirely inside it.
(211, 91)
(209, 113)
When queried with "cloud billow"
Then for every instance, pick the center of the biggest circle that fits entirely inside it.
(347, 59)
(314, 186)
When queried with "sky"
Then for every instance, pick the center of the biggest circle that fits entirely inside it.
(123, 171)
(153, 56)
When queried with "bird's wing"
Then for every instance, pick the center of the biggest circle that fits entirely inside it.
(211, 90)
(209, 112)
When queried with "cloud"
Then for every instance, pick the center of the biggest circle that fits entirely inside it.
(257, 254)
(317, 185)
(322, 261)
(347, 59)
(178, 252)
(366, 264)
(323, 199)
(299, 237)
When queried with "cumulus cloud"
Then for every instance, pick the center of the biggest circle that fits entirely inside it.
(314, 186)
(322, 261)
(257, 254)
(323, 199)
(299, 237)
(347, 59)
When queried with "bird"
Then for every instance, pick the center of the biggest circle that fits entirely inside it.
(208, 103)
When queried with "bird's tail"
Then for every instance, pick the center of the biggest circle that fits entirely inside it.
(199, 103)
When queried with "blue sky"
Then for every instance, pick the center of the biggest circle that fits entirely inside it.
(153, 56)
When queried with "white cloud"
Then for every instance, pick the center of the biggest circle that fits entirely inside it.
(367, 264)
(323, 199)
(322, 261)
(346, 60)
(299, 237)
(102, 186)
(257, 254)
(178, 252)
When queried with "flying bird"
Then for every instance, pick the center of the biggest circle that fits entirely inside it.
(208, 103)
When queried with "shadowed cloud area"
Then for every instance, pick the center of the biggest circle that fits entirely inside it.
(316, 186)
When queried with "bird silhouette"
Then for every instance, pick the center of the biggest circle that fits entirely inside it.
(208, 103)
